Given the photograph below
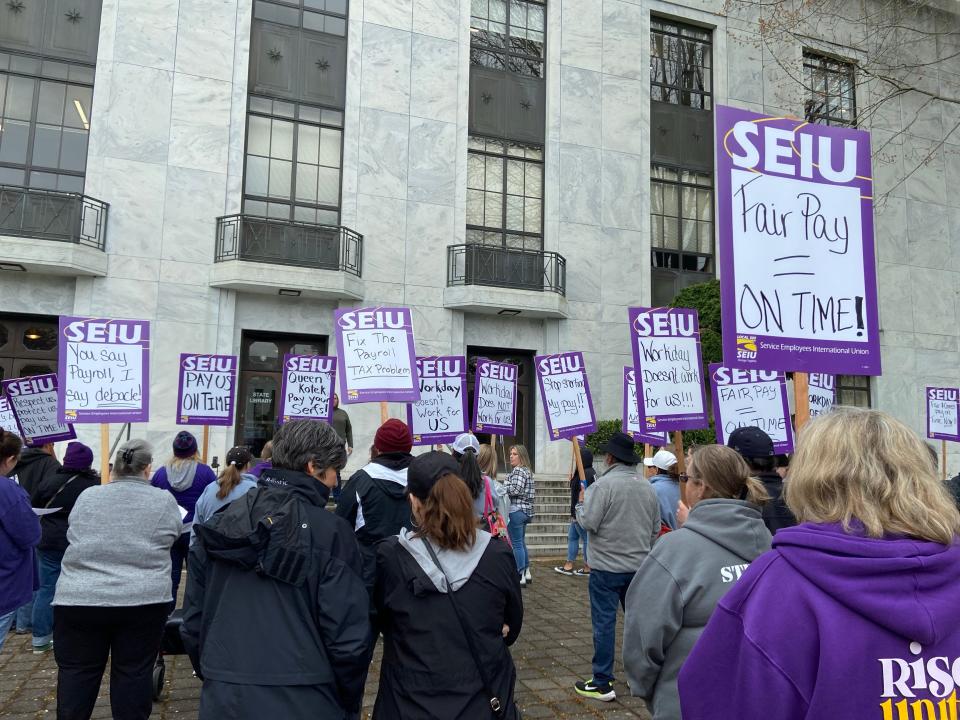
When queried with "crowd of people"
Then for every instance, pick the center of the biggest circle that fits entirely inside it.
(751, 586)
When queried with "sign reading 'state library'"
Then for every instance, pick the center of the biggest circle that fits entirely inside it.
(797, 273)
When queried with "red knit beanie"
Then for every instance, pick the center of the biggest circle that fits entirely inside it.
(393, 437)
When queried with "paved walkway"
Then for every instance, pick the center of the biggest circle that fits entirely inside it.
(553, 651)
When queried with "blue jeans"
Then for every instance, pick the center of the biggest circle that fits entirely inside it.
(606, 590)
(6, 622)
(25, 616)
(574, 535)
(517, 529)
(50, 561)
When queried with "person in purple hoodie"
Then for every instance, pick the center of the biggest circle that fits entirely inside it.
(185, 477)
(854, 613)
(19, 535)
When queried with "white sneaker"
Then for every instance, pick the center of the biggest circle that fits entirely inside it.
(527, 576)
(523, 580)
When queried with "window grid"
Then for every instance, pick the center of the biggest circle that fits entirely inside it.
(45, 109)
(509, 35)
(830, 85)
(681, 64)
(293, 159)
(328, 16)
(681, 219)
(504, 194)
(854, 390)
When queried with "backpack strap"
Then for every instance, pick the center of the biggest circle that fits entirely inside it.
(57, 493)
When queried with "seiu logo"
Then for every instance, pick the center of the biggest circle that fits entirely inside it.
(746, 347)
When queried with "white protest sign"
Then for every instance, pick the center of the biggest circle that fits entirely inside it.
(821, 393)
(377, 358)
(7, 421)
(441, 412)
(206, 391)
(495, 398)
(34, 404)
(942, 413)
(307, 389)
(566, 395)
(758, 398)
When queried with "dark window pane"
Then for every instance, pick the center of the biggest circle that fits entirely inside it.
(46, 181)
(36, 369)
(46, 146)
(73, 150)
(4, 335)
(38, 337)
(335, 26)
(50, 103)
(13, 141)
(11, 176)
(263, 355)
(276, 13)
(306, 349)
(70, 183)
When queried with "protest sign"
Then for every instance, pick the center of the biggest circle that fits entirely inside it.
(206, 390)
(631, 414)
(495, 398)
(822, 393)
(377, 359)
(104, 370)
(441, 412)
(797, 278)
(942, 415)
(306, 391)
(742, 398)
(566, 395)
(668, 368)
(7, 421)
(34, 404)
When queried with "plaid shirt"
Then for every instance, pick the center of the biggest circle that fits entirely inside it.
(519, 485)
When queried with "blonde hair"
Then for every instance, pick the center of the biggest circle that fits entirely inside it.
(524, 455)
(726, 474)
(864, 465)
(487, 459)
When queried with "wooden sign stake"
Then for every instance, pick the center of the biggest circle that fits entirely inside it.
(206, 443)
(384, 413)
(681, 462)
(943, 463)
(801, 399)
(104, 453)
(647, 450)
(578, 459)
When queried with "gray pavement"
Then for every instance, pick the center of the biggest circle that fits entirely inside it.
(553, 651)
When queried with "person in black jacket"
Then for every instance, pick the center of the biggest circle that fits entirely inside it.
(374, 499)
(276, 616)
(35, 464)
(756, 447)
(59, 489)
(431, 667)
(576, 533)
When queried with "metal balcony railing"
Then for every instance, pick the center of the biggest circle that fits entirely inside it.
(475, 264)
(53, 215)
(285, 242)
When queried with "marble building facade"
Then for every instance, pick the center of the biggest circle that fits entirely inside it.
(166, 150)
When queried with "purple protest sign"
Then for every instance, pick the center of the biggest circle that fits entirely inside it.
(631, 414)
(758, 398)
(104, 370)
(821, 393)
(34, 404)
(565, 392)
(942, 412)
(797, 279)
(495, 398)
(8, 421)
(207, 388)
(306, 392)
(668, 367)
(441, 412)
(378, 362)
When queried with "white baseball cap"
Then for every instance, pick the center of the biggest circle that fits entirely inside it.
(663, 459)
(464, 441)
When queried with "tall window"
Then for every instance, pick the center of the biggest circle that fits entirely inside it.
(329, 16)
(505, 194)
(293, 161)
(28, 345)
(680, 64)
(509, 35)
(44, 122)
(831, 86)
(853, 390)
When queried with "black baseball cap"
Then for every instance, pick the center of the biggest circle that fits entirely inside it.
(751, 442)
(426, 469)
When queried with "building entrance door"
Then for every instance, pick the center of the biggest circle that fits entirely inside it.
(525, 434)
(261, 372)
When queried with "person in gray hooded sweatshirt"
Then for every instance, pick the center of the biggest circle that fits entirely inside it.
(435, 584)
(678, 586)
(185, 477)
